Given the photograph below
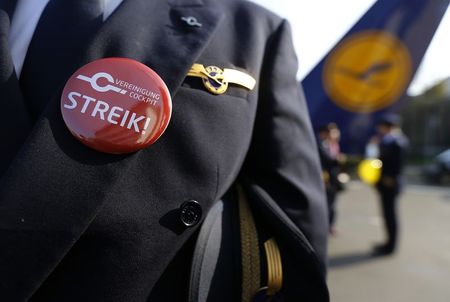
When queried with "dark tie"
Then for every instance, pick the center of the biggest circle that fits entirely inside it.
(57, 46)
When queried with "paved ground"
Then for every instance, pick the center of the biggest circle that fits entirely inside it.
(420, 271)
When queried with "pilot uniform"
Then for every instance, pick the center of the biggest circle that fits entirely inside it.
(392, 150)
(80, 225)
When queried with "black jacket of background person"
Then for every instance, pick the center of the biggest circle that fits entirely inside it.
(80, 225)
(392, 150)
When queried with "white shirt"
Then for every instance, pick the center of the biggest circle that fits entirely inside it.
(24, 22)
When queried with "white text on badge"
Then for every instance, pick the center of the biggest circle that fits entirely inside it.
(114, 115)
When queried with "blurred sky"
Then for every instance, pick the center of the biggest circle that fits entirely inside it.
(318, 25)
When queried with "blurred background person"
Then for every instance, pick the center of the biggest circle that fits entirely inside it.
(392, 147)
(331, 160)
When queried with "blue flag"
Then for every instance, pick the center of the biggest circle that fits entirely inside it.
(367, 73)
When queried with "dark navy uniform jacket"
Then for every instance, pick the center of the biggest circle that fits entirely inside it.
(393, 147)
(80, 225)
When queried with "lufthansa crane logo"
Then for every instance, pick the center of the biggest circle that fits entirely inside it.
(367, 72)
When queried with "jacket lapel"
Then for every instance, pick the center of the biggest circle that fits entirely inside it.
(154, 33)
(55, 186)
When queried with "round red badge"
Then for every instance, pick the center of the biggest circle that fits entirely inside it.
(116, 105)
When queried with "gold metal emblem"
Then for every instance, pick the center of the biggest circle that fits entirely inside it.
(216, 80)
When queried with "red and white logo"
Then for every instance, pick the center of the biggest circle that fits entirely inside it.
(116, 105)
(101, 75)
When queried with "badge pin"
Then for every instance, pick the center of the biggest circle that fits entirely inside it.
(116, 105)
(216, 80)
(191, 21)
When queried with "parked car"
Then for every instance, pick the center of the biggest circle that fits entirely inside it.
(438, 171)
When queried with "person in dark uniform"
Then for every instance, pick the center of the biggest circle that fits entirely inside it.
(163, 223)
(392, 147)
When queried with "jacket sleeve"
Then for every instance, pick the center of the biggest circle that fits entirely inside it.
(283, 157)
